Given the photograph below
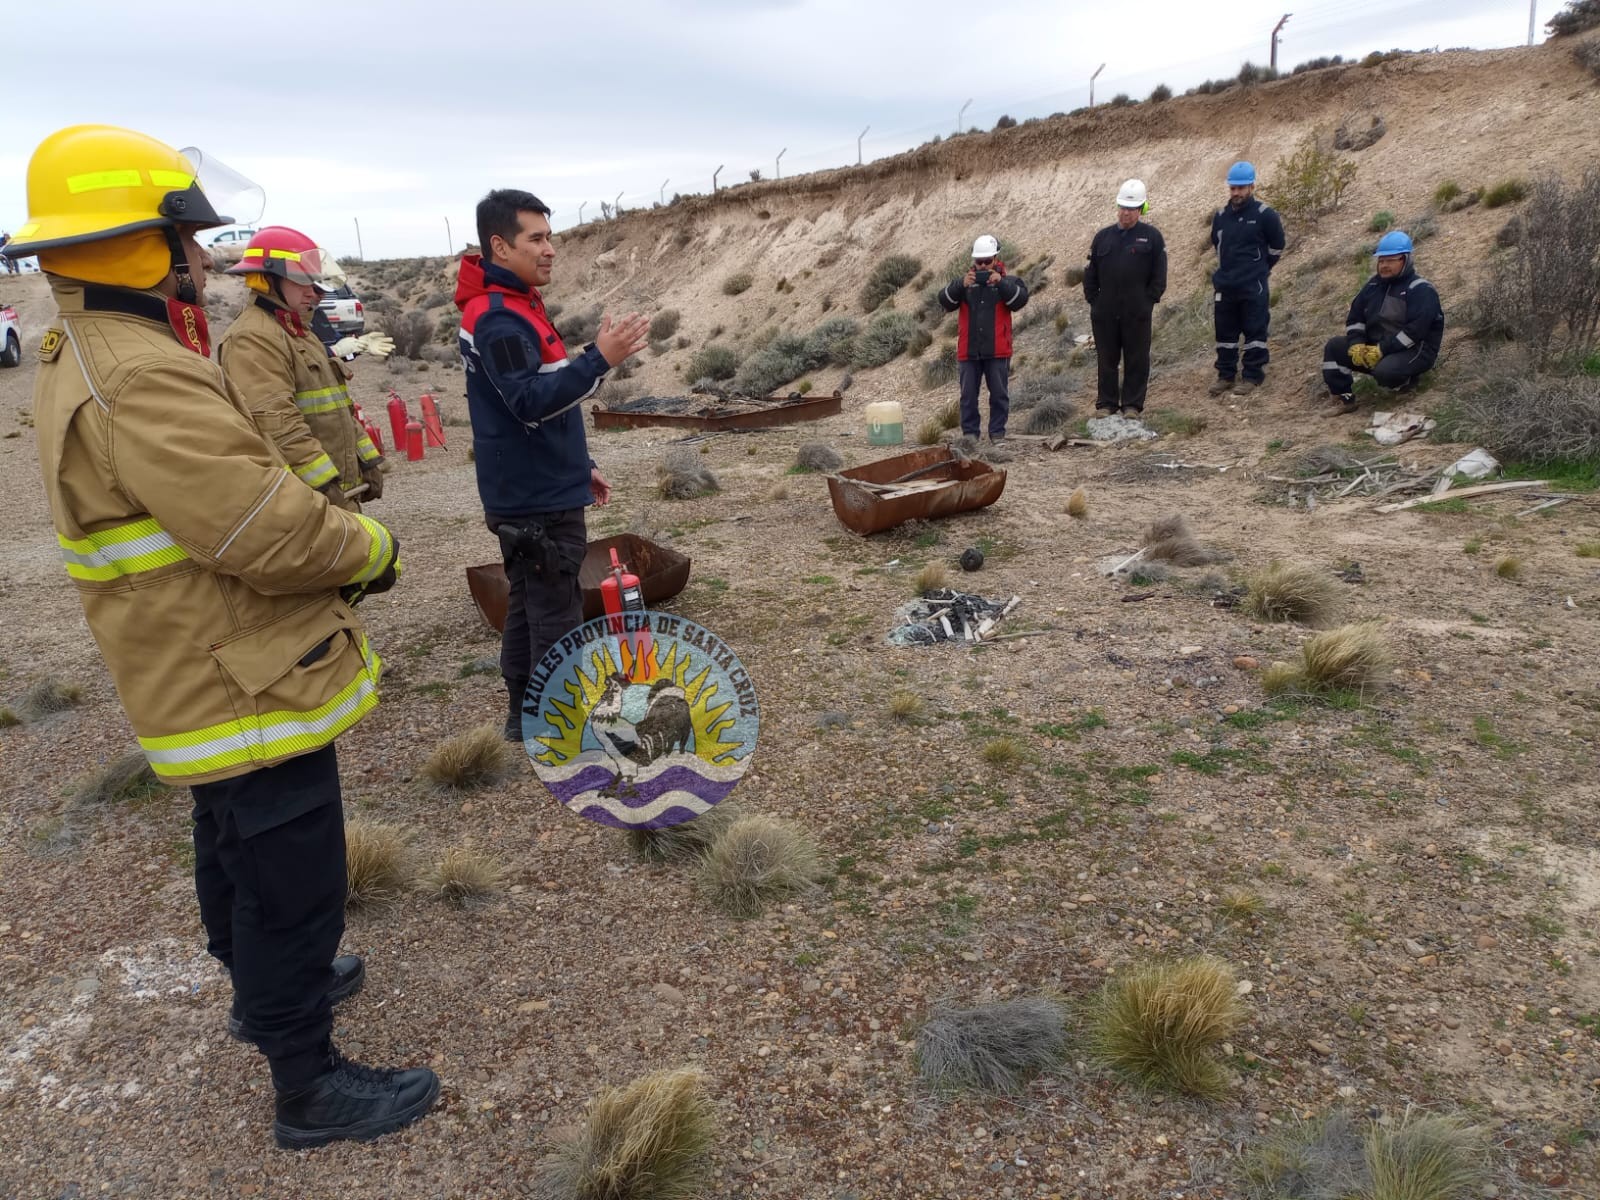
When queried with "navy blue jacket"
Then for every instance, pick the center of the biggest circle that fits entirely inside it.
(1126, 274)
(1398, 315)
(523, 393)
(1248, 241)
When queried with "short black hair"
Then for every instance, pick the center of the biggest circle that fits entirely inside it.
(497, 214)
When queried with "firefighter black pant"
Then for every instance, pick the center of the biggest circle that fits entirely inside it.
(543, 605)
(269, 872)
(1122, 338)
(1391, 371)
(1242, 314)
(996, 372)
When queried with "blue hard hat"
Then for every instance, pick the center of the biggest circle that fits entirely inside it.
(1394, 242)
(1241, 174)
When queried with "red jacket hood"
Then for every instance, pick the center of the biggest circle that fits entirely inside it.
(477, 278)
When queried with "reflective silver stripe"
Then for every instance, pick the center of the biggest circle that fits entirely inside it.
(1227, 345)
(593, 388)
(1335, 368)
(1356, 328)
(1414, 283)
(1255, 345)
(546, 368)
(72, 337)
(1404, 340)
(468, 338)
(1271, 253)
(278, 483)
(953, 298)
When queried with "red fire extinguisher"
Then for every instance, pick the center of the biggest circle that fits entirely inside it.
(397, 419)
(368, 426)
(413, 442)
(432, 427)
(620, 593)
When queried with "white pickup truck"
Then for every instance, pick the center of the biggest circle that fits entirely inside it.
(10, 337)
(344, 313)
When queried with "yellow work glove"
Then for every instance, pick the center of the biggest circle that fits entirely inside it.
(379, 345)
(1365, 357)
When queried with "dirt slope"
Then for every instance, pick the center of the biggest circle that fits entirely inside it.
(1423, 873)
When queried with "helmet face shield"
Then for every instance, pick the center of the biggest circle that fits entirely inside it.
(224, 191)
(297, 266)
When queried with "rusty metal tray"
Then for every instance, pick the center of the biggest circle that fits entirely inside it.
(928, 483)
(662, 574)
(778, 411)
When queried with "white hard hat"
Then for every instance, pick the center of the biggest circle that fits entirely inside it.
(1132, 194)
(985, 247)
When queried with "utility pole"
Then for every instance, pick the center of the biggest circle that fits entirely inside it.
(859, 136)
(449, 241)
(581, 207)
(1533, 9)
(714, 175)
(1278, 28)
(360, 253)
(664, 183)
(616, 207)
(1092, 78)
(777, 164)
(960, 116)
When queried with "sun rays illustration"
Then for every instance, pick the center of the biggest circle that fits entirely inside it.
(566, 718)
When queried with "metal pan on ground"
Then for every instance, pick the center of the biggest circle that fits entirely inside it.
(762, 414)
(935, 482)
(662, 574)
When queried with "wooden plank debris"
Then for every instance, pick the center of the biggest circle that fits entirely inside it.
(1482, 489)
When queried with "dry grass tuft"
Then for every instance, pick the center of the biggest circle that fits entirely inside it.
(682, 476)
(465, 877)
(686, 841)
(1159, 1024)
(125, 778)
(779, 490)
(1239, 904)
(1078, 503)
(50, 696)
(1351, 658)
(473, 759)
(1588, 549)
(994, 1047)
(758, 860)
(948, 414)
(1002, 752)
(1169, 540)
(1281, 677)
(1509, 567)
(650, 1140)
(378, 864)
(932, 576)
(1047, 416)
(1423, 1157)
(8, 718)
(1293, 592)
(929, 432)
(818, 456)
(905, 705)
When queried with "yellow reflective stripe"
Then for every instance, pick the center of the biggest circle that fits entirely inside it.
(365, 450)
(379, 552)
(268, 736)
(319, 472)
(291, 255)
(99, 181)
(171, 179)
(321, 400)
(141, 545)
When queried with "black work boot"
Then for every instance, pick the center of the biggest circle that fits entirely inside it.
(350, 1102)
(516, 691)
(349, 973)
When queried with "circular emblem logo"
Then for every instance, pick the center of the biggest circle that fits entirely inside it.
(640, 720)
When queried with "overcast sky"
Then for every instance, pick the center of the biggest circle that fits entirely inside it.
(403, 113)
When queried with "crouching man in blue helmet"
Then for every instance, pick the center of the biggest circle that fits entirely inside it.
(1393, 330)
(1248, 238)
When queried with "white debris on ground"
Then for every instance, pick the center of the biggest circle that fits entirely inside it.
(1480, 464)
(1392, 428)
(1119, 429)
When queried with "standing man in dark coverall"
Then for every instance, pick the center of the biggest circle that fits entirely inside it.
(535, 476)
(1393, 331)
(1123, 281)
(1248, 238)
(986, 297)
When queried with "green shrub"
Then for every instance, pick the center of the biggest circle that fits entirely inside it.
(887, 337)
(1004, 123)
(1250, 74)
(1507, 191)
(942, 369)
(1318, 64)
(1159, 93)
(664, 324)
(1121, 100)
(1446, 192)
(1575, 18)
(735, 285)
(715, 362)
(784, 360)
(1588, 55)
(887, 278)
(1311, 181)
(833, 341)
(1380, 222)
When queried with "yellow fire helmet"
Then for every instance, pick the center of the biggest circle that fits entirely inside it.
(104, 204)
